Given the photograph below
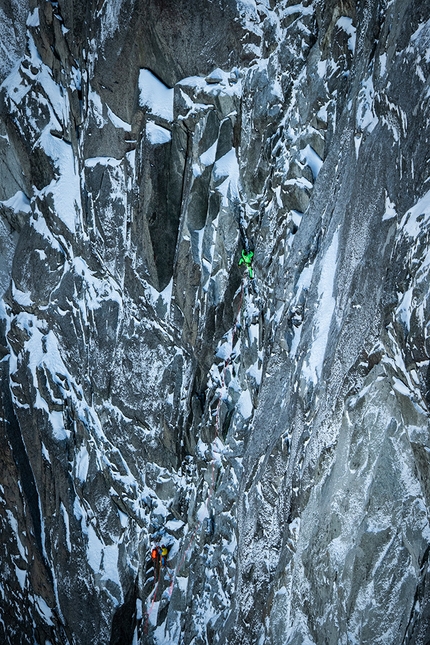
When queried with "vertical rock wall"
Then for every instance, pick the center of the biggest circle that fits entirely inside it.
(272, 430)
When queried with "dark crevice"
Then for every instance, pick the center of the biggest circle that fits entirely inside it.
(27, 480)
(125, 619)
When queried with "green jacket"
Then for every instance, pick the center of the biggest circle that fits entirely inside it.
(246, 258)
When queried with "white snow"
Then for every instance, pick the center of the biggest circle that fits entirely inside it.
(155, 296)
(182, 583)
(312, 159)
(22, 297)
(152, 617)
(174, 525)
(44, 611)
(253, 333)
(155, 95)
(39, 224)
(244, 404)
(347, 26)
(420, 73)
(357, 143)
(18, 203)
(94, 549)
(96, 290)
(81, 463)
(21, 576)
(12, 84)
(92, 162)
(298, 8)
(366, 118)
(401, 387)
(110, 563)
(45, 453)
(410, 223)
(383, 64)
(296, 340)
(156, 134)
(405, 308)
(96, 106)
(301, 182)
(216, 76)
(33, 18)
(256, 371)
(14, 526)
(296, 217)
(207, 158)
(202, 512)
(223, 85)
(56, 419)
(223, 351)
(65, 190)
(227, 166)
(420, 32)
(196, 170)
(118, 123)
(305, 280)
(201, 448)
(78, 513)
(322, 70)
(390, 209)
(312, 368)
(197, 82)
(66, 526)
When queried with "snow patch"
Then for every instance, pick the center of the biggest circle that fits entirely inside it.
(208, 158)
(21, 576)
(13, 523)
(298, 8)
(33, 18)
(155, 95)
(322, 71)
(66, 190)
(312, 159)
(157, 135)
(366, 118)
(81, 464)
(390, 209)
(92, 162)
(383, 64)
(347, 26)
(66, 526)
(227, 166)
(244, 404)
(19, 203)
(216, 84)
(56, 420)
(417, 216)
(203, 512)
(44, 611)
(118, 123)
(312, 369)
(164, 297)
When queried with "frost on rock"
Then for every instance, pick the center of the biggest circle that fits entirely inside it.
(198, 450)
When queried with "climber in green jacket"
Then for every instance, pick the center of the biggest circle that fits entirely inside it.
(247, 260)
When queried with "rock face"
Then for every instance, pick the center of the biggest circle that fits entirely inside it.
(271, 430)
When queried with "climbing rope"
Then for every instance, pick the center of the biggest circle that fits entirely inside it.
(248, 276)
(149, 610)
